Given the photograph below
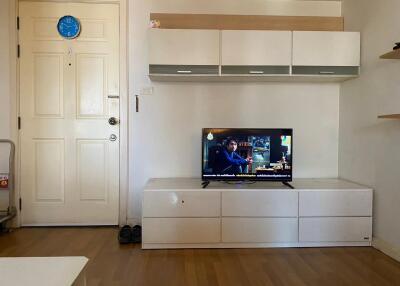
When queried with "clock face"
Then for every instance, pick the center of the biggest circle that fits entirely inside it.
(69, 27)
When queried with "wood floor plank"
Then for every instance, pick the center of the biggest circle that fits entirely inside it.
(112, 264)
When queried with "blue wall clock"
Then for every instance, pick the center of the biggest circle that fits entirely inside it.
(69, 27)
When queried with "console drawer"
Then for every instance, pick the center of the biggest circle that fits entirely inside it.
(260, 204)
(335, 229)
(181, 204)
(181, 230)
(335, 203)
(259, 230)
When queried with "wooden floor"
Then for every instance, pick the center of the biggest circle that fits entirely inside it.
(111, 264)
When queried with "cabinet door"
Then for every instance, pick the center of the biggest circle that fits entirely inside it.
(181, 204)
(335, 203)
(256, 48)
(260, 204)
(184, 47)
(259, 230)
(326, 49)
(181, 230)
(335, 229)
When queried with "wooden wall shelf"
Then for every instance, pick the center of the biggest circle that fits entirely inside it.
(393, 55)
(390, 116)
(248, 22)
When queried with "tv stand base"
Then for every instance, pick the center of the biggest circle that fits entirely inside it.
(178, 213)
(205, 184)
(288, 185)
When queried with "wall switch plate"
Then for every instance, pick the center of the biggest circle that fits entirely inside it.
(148, 90)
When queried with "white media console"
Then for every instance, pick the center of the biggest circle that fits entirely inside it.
(178, 213)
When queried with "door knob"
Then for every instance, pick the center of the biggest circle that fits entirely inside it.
(113, 121)
(113, 137)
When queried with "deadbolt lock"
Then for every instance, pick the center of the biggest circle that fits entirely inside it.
(113, 121)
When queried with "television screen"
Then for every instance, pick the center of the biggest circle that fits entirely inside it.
(247, 154)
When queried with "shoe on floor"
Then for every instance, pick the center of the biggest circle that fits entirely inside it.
(137, 234)
(125, 235)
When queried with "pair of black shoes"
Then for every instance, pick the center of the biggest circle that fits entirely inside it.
(129, 234)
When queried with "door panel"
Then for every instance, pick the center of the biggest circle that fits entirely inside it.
(91, 77)
(49, 170)
(69, 167)
(95, 30)
(92, 178)
(43, 29)
(48, 85)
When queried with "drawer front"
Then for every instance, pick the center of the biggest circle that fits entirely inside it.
(181, 230)
(335, 203)
(181, 204)
(259, 230)
(260, 204)
(335, 229)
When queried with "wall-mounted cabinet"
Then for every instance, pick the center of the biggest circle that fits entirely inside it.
(256, 53)
(326, 53)
(184, 52)
(230, 55)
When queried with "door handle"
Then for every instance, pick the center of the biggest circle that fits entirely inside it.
(113, 137)
(113, 121)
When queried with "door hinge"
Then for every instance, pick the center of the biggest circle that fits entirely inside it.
(17, 23)
(19, 123)
(20, 204)
(18, 51)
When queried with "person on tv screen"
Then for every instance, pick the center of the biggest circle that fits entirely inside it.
(228, 161)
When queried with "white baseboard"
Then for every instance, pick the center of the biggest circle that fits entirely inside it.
(387, 248)
(252, 245)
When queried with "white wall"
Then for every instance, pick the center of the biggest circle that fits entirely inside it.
(369, 148)
(165, 136)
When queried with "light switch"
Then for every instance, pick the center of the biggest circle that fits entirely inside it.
(148, 90)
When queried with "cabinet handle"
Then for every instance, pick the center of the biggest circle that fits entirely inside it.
(183, 71)
(113, 96)
(326, 72)
(256, 72)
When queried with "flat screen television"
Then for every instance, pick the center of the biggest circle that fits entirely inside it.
(247, 154)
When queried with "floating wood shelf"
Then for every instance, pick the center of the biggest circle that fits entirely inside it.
(390, 116)
(393, 55)
(248, 22)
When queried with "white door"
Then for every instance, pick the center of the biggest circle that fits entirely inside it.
(68, 91)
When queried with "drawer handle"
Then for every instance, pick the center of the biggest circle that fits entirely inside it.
(256, 72)
(183, 71)
(326, 72)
